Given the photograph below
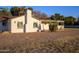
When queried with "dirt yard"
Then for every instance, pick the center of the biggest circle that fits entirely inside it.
(39, 35)
(36, 42)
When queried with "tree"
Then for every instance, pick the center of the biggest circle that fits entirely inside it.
(18, 11)
(14, 11)
(57, 17)
(4, 12)
(62, 17)
(22, 10)
(70, 20)
(39, 15)
(52, 17)
(4, 9)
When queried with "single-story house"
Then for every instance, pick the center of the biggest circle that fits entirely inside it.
(26, 23)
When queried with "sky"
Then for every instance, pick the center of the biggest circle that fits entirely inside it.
(50, 10)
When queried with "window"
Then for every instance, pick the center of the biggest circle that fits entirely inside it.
(35, 25)
(20, 25)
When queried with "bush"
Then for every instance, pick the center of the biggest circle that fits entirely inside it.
(53, 27)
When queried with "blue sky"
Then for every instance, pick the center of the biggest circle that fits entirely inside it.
(63, 10)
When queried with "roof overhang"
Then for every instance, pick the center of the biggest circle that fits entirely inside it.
(50, 21)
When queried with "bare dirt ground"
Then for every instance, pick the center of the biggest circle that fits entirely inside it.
(38, 41)
(38, 35)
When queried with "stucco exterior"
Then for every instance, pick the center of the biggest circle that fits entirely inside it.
(30, 22)
(14, 21)
(27, 26)
(60, 27)
(44, 26)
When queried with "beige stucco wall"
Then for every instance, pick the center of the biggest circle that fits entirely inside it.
(44, 26)
(60, 27)
(14, 22)
(28, 26)
(30, 21)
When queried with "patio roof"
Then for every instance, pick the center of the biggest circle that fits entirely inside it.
(51, 21)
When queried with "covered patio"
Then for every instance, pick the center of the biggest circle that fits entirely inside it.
(58, 23)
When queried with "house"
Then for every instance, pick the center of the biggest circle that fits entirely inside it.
(26, 23)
